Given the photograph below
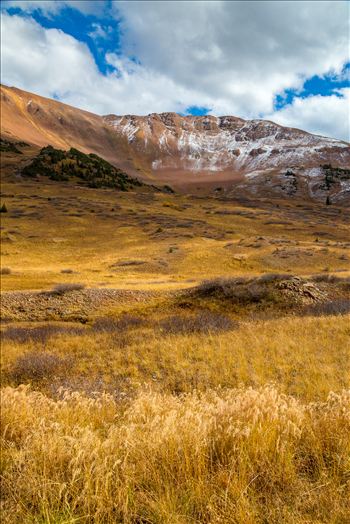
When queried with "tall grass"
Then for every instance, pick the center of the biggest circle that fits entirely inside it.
(190, 432)
(224, 456)
(306, 356)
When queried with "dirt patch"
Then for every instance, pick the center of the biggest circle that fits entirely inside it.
(73, 306)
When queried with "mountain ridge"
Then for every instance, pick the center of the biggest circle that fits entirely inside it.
(184, 151)
(182, 116)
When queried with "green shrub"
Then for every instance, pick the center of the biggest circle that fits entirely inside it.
(10, 147)
(62, 165)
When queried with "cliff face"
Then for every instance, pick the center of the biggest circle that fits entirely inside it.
(247, 155)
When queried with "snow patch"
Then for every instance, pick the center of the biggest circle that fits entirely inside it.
(156, 164)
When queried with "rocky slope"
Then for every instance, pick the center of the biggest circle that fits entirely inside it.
(257, 154)
(254, 157)
(224, 143)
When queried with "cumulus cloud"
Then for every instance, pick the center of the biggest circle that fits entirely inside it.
(43, 60)
(57, 64)
(241, 54)
(232, 57)
(322, 115)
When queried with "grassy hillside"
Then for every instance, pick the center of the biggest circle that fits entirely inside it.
(148, 239)
(168, 358)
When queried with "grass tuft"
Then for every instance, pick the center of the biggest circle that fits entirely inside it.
(203, 322)
(62, 289)
(36, 366)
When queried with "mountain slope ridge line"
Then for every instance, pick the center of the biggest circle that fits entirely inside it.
(250, 156)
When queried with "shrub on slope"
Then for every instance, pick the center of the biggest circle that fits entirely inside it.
(62, 165)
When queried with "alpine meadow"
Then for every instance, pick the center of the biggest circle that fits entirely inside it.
(175, 262)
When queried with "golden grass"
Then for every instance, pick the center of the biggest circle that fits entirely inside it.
(308, 357)
(191, 429)
(89, 230)
(227, 456)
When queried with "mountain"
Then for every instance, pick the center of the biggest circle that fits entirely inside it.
(254, 155)
(225, 153)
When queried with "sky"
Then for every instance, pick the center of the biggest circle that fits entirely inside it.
(285, 61)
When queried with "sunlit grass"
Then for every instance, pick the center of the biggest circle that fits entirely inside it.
(139, 419)
(90, 231)
(307, 357)
(235, 456)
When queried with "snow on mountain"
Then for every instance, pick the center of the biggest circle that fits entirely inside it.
(219, 143)
(251, 148)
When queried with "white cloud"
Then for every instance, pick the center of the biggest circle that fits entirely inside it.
(99, 32)
(46, 61)
(56, 63)
(233, 57)
(240, 54)
(322, 115)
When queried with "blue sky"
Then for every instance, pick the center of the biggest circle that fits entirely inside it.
(285, 61)
(316, 85)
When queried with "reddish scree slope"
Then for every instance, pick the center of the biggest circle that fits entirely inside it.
(250, 155)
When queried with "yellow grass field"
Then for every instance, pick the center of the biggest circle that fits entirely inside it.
(134, 394)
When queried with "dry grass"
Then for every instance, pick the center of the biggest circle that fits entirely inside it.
(161, 410)
(39, 334)
(45, 233)
(334, 307)
(37, 367)
(208, 322)
(61, 289)
(229, 456)
(307, 356)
